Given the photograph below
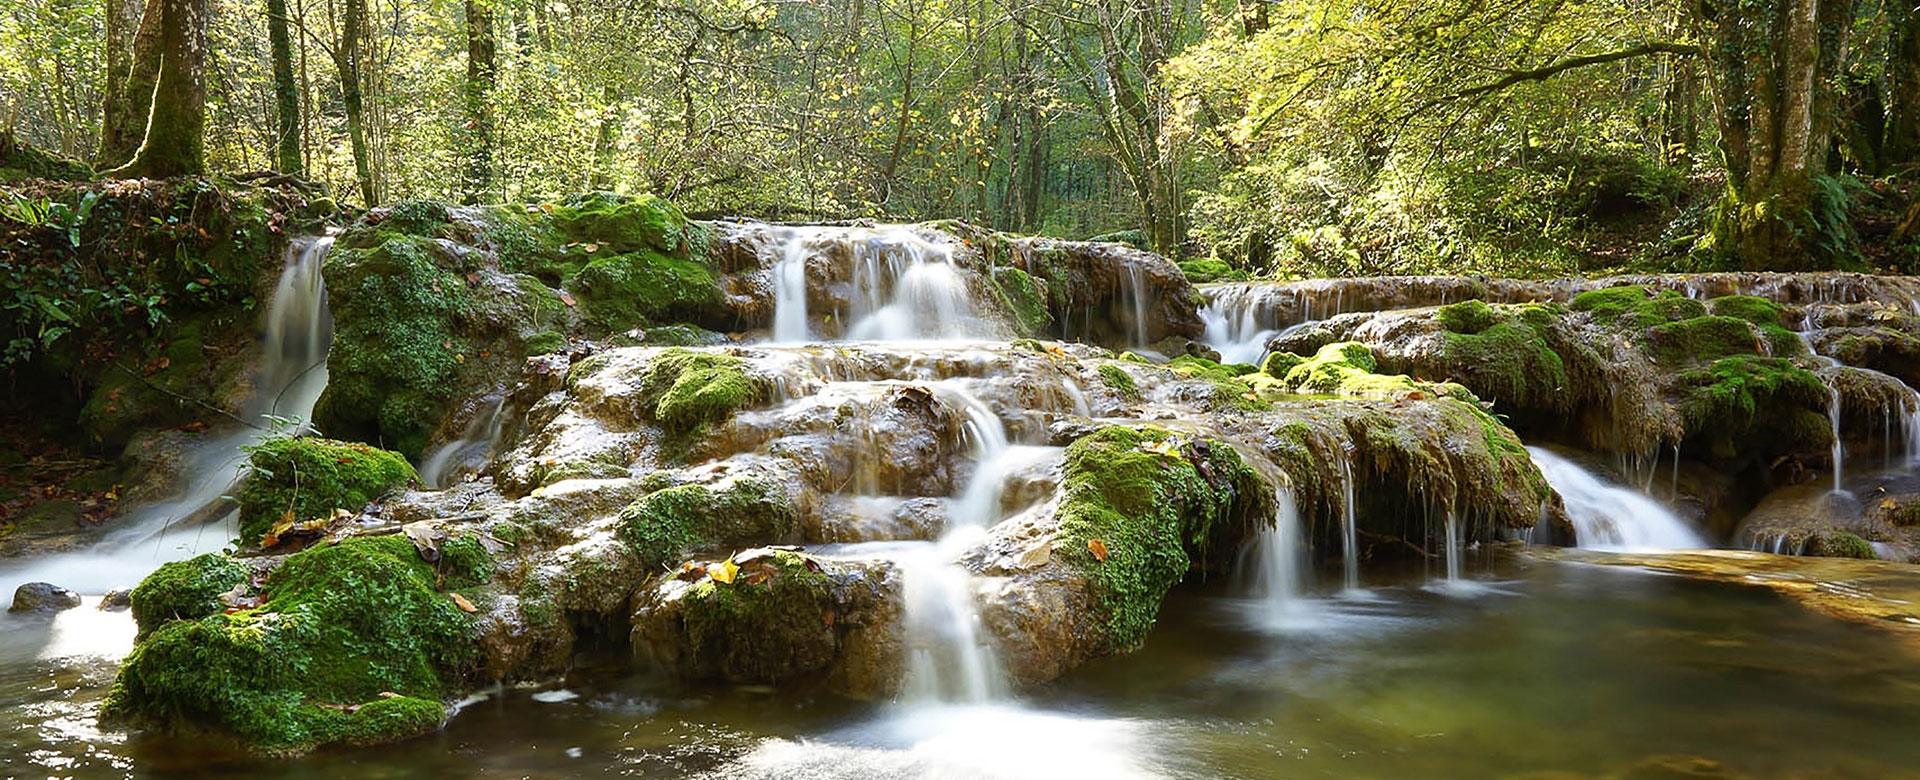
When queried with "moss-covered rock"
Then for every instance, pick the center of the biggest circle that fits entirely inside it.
(663, 526)
(1025, 299)
(340, 630)
(624, 291)
(768, 624)
(1119, 381)
(684, 389)
(1343, 368)
(621, 224)
(1505, 355)
(1139, 508)
(304, 479)
(1753, 407)
(1207, 269)
(1836, 543)
(20, 161)
(185, 590)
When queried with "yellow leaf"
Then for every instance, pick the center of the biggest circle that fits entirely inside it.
(1098, 548)
(1169, 447)
(725, 572)
(462, 602)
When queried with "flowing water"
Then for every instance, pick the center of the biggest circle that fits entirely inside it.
(292, 374)
(1276, 571)
(1612, 517)
(1576, 672)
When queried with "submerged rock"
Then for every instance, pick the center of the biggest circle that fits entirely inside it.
(43, 597)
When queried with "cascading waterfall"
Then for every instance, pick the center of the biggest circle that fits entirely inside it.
(1839, 448)
(1275, 569)
(1234, 329)
(790, 288)
(1612, 517)
(949, 660)
(1137, 295)
(292, 374)
(468, 452)
(1349, 527)
(907, 288)
(1453, 547)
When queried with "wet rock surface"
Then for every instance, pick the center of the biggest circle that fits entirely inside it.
(43, 597)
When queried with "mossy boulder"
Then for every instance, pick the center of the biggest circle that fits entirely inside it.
(340, 632)
(684, 390)
(624, 291)
(770, 622)
(20, 161)
(1748, 407)
(1207, 269)
(621, 224)
(1140, 507)
(305, 479)
(185, 590)
(1342, 368)
(663, 526)
(1025, 299)
(1506, 354)
(1117, 379)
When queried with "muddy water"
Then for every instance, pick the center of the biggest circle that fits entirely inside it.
(1553, 670)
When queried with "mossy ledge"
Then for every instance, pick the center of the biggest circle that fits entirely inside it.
(308, 478)
(1140, 507)
(185, 590)
(350, 643)
(663, 526)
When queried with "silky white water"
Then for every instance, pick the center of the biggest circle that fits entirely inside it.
(1234, 328)
(1275, 569)
(1612, 517)
(292, 374)
(468, 453)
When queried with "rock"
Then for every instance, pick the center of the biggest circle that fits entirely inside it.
(43, 597)
(117, 600)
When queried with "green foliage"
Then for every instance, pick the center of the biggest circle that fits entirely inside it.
(1211, 270)
(340, 624)
(1122, 382)
(309, 478)
(664, 525)
(185, 590)
(420, 218)
(1153, 501)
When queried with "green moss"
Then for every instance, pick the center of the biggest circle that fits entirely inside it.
(1701, 339)
(341, 625)
(1758, 311)
(1609, 303)
(664, 525)
(396, 358)
(1754, 407)
(1468, 317)
(185, 590)
(1209, 269)
(311, 477)
(1344, 368)
(623, 224)
(623, 291)
(1153, 501)
(683, 336)
(23, 161)
(1230, 390)
(684, 390)
(423, 218)
(1278, 364)
(1024, 298)
(1122, 382)
(1668, 306)
(546, 343)
(1838, 543)
(758, 629)
(604, 467)
(1509, 361)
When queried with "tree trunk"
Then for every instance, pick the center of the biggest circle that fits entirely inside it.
(477, 185)
(347, 60)
(130, 79)
(1776, 65)
(286, 93)
(175, 140)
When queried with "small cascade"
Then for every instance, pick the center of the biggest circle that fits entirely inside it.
(1275, 570)
(1453, 547)
(1611, 517)
(1136, 294)
(1234, 326)
(292, 374)
(907, 288)
(467, 453)
(1833, 416)
(790, 290)
(949, 659)
(1349, 527)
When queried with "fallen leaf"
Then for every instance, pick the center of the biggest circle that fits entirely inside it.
(566, 298)
(426, 540)
(462, 602)
(725, 572)
(1098, 548)
(1169, 447)
(1416, 396)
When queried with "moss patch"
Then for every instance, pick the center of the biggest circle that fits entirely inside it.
(621, 224)
(625, 291)
(1153, 501)
(767, 624)
(1208, 269)
(309, 478)
(684, 390)
(1120, 381)
(185, 590)
(1753, 407)
(1503, 354)
(1702, 339)
(1344, 368)
(664, 525)
(340, 625)
(1025, 299)
(1841, 544)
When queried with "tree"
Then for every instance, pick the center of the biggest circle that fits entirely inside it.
(286, 93)
(478, 95)
(133, 65)
(174, 143)
(347, 60)
(1774, 72)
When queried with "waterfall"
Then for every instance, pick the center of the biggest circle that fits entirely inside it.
(1453, 547)
(790, 290)
(1349, 527)
(468, 452)
(1234, 329)
(1607, 516)
(1833, 416)
(904, 287)
(1137, 295)
(1275, 569)
(949, 660)
(292, 374)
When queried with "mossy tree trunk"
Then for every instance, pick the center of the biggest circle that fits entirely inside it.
(175, 140)
(478, 181)
(133, 63)
(1775, 71)
(347, 59)
(286, 92)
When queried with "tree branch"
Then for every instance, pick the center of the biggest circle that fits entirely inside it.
(1549, 71)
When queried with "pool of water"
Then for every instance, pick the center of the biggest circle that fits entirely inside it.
(1549, 671)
